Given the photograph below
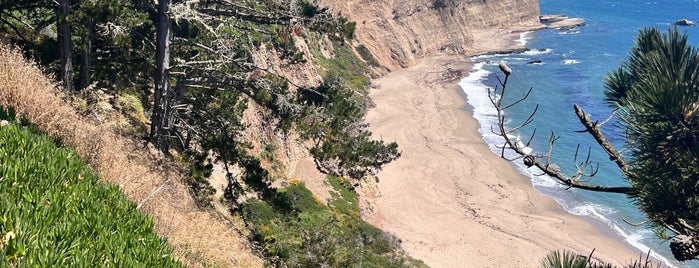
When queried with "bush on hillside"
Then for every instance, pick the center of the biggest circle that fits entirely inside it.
(295, 229)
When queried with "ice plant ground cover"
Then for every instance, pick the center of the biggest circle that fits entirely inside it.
(55, 212)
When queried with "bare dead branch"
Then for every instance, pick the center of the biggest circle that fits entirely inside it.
(526, 122)
(524, 97)
(634, 223)
(584, 168)
(596, 133)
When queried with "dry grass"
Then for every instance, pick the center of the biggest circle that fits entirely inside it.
(200, 238)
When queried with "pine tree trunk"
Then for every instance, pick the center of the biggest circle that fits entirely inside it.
(160, 119)
(65, 45)
(85, 77)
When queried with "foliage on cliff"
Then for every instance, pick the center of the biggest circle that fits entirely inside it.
(198, 58)
(154, 182)
(210, 74)
(297, 230)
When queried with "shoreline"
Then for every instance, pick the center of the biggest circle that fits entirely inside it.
(451, 200)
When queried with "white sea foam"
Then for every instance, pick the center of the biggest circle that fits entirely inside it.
(523, 37)
(635, 240)
(537, 51)
(634, 237)
(483, 110)
(573, 31)
(571, 61)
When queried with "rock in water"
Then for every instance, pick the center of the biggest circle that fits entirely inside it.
(685, 22)
(561, 21)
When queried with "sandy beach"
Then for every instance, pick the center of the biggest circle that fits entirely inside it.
(451, 200)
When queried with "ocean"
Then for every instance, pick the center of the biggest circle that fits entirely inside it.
(573, 64)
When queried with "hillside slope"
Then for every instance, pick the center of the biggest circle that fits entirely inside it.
(200, 238)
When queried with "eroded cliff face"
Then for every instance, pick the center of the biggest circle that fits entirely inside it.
(398, 32)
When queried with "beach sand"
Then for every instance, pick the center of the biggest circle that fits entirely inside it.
(453, 202)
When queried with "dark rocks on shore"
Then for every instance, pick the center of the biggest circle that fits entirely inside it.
(506, 51)
(561, 21)
(552, 18)
(684, 22)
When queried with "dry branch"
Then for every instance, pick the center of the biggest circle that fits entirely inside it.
(593, 129)
(584, 169)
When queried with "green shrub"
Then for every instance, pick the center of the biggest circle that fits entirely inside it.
(367, 56)
(130, 103)
(200, 170)
(344, 198)
(567, 259)
(54, 212)
(297, 198)
(346, 66)
(564, 259)
(296, 230)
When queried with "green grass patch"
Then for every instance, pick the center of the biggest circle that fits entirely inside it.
(54, 212)
(344, 199)
(345, 65)
(296, 229)
(367, 56)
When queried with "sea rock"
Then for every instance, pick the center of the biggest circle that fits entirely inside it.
(535, 62)
(561, 21)
(568, 23)
(685, 22)
(552, 18)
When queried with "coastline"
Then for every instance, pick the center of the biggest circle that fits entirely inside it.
(451, 200)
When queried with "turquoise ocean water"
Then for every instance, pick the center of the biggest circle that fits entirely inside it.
(573, 65)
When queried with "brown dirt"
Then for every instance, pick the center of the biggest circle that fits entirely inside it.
(200, 238)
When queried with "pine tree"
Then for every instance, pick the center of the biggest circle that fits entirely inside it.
(656, 94)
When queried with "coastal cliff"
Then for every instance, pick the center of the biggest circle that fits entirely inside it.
(399, 32)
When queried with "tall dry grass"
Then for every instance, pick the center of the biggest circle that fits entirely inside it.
(200, 238)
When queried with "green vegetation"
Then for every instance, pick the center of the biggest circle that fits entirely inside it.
(344, 65)
(206, 78)
(295, 229)
(344, 198)
(343, 145)
(54, 212)
(567, 259)
(367, 56)
(656, 94)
